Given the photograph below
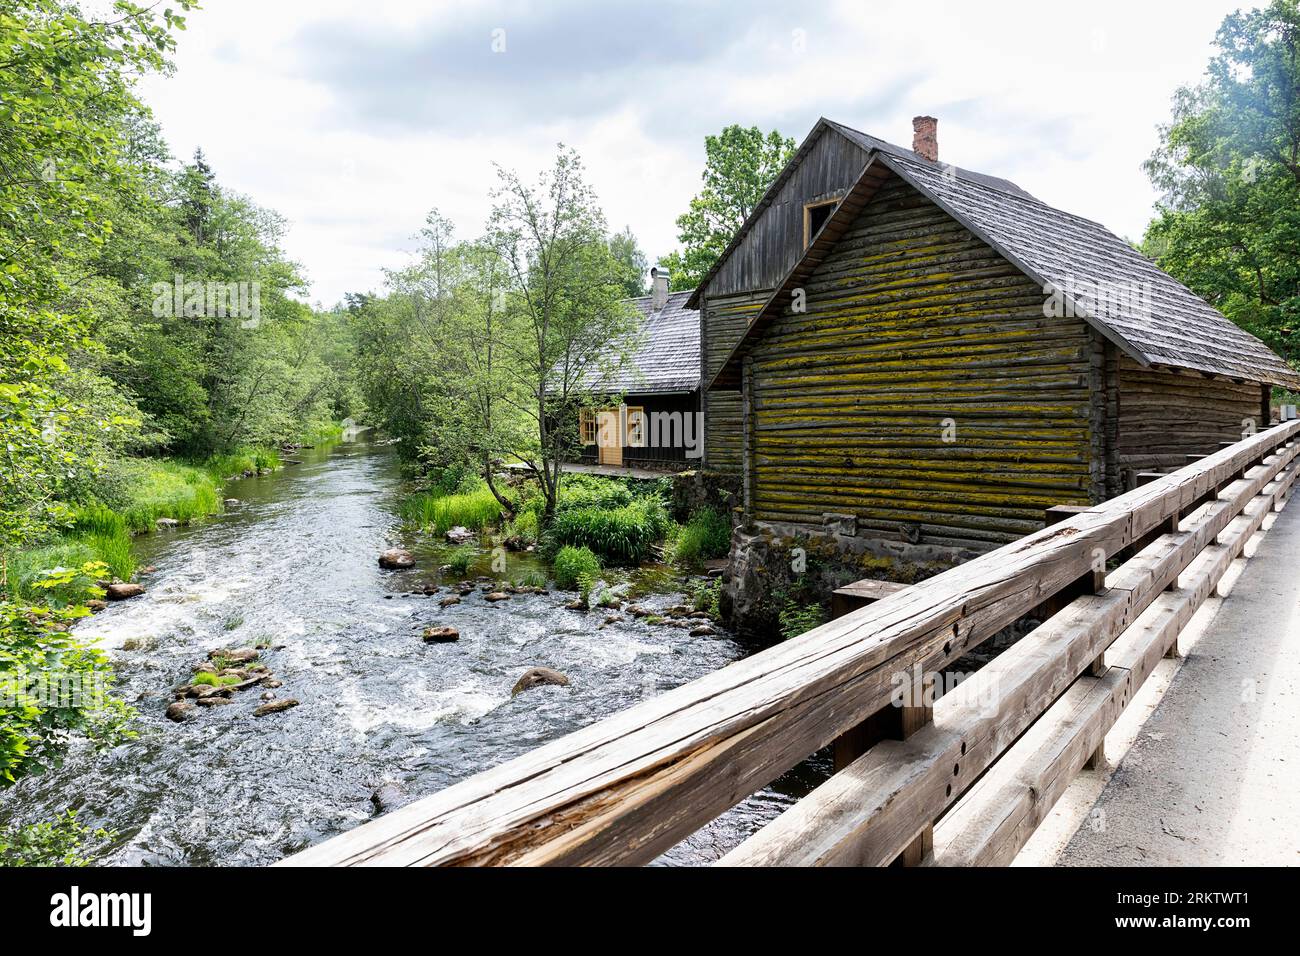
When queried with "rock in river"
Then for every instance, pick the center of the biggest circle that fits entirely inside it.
(274, 707)
(459, 535)
(495, 596)
(537, 677)
(441, 635)
(241, 655)
(179, 710)
(120, 591)
(395, 558)
(449, 600)
(167, 523)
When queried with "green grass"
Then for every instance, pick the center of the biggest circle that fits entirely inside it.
(167, 489)
(462, 560)
(212, 680)
(437, 513)
(574, 566)
(707, 535)
(96, 534)
(623, 533)
(323, 435)
(235, 463)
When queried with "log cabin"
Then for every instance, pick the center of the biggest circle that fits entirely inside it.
(898, 349)
(654, 420)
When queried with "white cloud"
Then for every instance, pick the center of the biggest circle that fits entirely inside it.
(354, 121)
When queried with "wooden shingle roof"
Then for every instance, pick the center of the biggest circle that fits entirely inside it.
(1106, 282)
(667, 358)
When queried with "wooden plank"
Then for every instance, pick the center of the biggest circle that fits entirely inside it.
(627, 788)
(863, 815)
(991, 825)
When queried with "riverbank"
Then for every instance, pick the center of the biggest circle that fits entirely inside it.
(383, 715)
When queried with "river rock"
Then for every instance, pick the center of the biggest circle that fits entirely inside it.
(274, 707)
(213, 700)
(537, 677)
(703, 630)
(231, 502)
(268, 695)
(167, 523)
(179, 710)
(577, 604)
(204, 691)
(273, 683)
(120, 591)
(449, 600)
(95, 605)
(395, 558)
(388, 797)
(496, 596)
(459, 535)
(612, 619)
(242, 655)
(441, 635)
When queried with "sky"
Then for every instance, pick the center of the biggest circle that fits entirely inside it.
(354, 120)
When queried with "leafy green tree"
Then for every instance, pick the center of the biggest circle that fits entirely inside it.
(1228, 166)
(563, 318)
(739, 165)
(633, 264)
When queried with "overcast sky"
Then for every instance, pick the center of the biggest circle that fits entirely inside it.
(354, 119)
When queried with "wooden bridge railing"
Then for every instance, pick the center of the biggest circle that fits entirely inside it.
(629, 787)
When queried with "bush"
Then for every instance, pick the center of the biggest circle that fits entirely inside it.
(622, 534)
(707, 535)
(796, 618)
(59, 842)
(573, 565)
(438, 512)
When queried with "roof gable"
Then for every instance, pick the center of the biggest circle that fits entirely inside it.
(1098, 277)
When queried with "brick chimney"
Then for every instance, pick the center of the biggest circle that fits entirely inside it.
(925, 137)
(658, 288)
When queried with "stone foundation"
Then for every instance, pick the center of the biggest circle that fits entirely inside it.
(697, 489)
(771, 564)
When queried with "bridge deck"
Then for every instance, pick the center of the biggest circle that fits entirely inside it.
(1214, 776)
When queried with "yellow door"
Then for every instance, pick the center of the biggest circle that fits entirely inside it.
(609, 436)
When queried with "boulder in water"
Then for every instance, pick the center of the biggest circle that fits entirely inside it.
(388, 797)
(274, 707)
(449, 600)
(495, 596)
(242, 655)
(121, 590)
(459, 535)
(179, 710)
(231, 502)
(538, 677)
(396, 558)
(441, 635)
(167, 523)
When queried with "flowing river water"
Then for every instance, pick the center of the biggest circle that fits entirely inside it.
(294, 565)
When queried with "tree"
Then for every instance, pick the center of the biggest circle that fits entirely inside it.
(1228, 167)
(633, 264)
(562, 316)
(739, 166)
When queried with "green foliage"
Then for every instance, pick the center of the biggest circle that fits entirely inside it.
(623, 534)
(437, 512)
(51, 686)
(573, 566)
(1228, 224)
(796, 618)
(739, 166)
(213, 680)
(462, 560)
(167, 489)
(58, 842)
(705, 595)
(707, 535)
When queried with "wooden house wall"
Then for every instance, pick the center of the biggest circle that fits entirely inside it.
(910, 321)
(725, 320)
(1164, 416)
(663, 455)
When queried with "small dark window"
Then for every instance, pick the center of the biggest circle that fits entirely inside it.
(814, 217)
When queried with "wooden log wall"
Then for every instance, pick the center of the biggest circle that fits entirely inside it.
(910, 321)
(1166, 415)
(725, 321)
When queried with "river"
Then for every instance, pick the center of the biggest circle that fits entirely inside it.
(294, 566)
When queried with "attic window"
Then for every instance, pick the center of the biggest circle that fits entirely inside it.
(814, 217)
